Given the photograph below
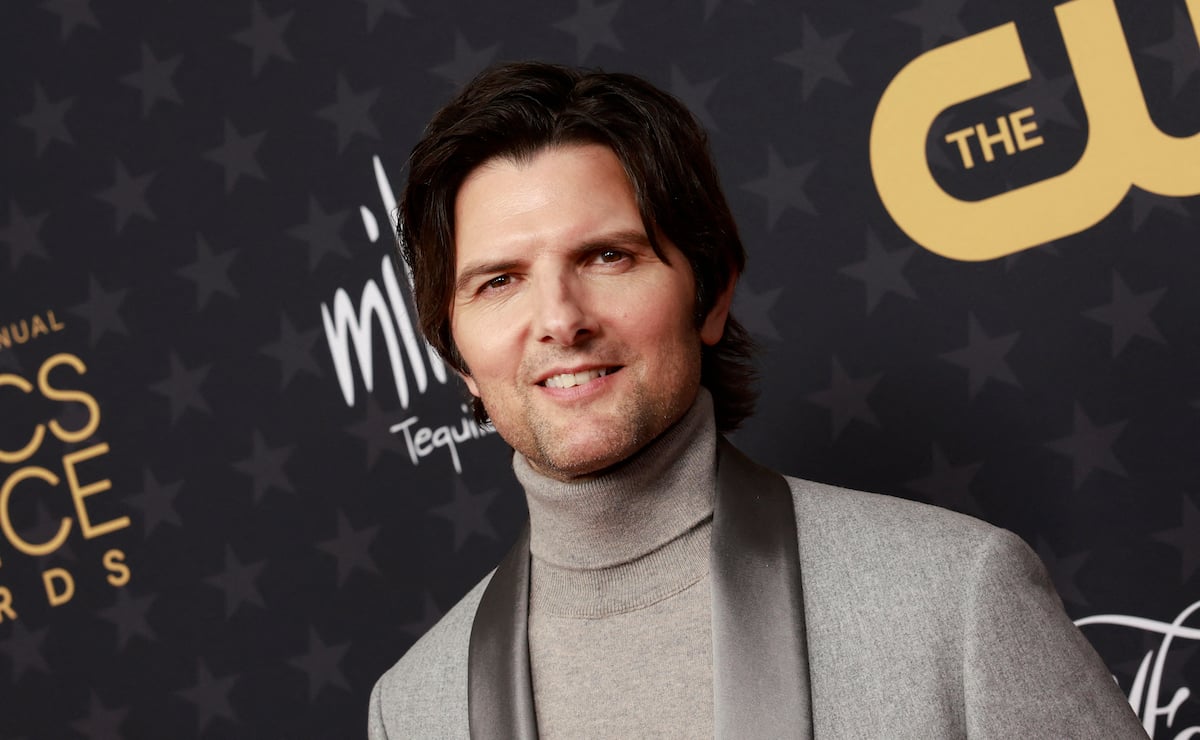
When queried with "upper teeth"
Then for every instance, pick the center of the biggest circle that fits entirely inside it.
(570, 380)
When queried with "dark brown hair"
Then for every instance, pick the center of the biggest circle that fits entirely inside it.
(516, 110)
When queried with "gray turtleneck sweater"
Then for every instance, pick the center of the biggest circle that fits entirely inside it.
(620, 607)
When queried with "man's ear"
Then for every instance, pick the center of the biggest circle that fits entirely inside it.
(471, 384)
(713, 327)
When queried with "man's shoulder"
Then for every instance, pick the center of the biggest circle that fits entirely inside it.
(425, 693)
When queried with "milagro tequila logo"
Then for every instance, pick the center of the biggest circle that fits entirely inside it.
(1147, 691)
(349, 331)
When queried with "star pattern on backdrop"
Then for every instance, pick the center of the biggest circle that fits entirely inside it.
(1090, 447)
(264, 37)
(153, 80)
(238, 583)
(47, 120)
(265, 467)
(376, 430)
(1064, 571)
(101, 723)
(467, 513)
(350, 113)
(127, 196)
(983, 357)
(817, 58)
(1128, 315)
(210, 696)
(182, 388)
(466, 62)
(1047, 96)
(938, 20)
(209, 273)
(22, 235)
(294, 351)
(323, 232)
(1145, 203)
(782, 187)
(101, 311)
(948, 485)
(71, 14)
(351, 548)
(236, 155)
(1185, 539)
(23, 648)
(430, 614)
(846, 398)
(322, 664)
(128, 615)
(376, 9)
(753, 309)
(695, 96)
(1179, 51)
(156, 502)
(882, 271)
(592, 26)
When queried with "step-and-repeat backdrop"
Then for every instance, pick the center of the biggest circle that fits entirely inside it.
(236, 486)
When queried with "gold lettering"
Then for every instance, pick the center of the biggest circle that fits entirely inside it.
(5, 339)
(6, 605)
(79, 493)
(6, 525)
(53, 594)
(20, 336)
(39, 327)
(55, 324)
(1002, 135)
(118, 571)
(1021, 129)
(39, 431)
(68, 396)
(964, 149)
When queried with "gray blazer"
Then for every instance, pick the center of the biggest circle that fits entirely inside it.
(921, 623)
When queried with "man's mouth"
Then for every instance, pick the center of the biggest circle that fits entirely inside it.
(570, 380)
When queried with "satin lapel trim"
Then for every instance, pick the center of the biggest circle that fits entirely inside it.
(499, 682)
(761, 684)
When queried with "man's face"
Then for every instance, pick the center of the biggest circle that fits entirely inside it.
(578, 338)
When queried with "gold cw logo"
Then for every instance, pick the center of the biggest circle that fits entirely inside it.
(1124, 148)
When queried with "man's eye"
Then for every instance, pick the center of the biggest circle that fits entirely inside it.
(611, 255)
(497, 282)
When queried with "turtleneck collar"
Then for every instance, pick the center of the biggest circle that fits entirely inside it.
(659, 494)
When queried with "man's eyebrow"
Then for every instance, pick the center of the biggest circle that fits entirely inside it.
(472, 272)
(624, 238)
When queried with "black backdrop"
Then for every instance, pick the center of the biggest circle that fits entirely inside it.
(204, 536)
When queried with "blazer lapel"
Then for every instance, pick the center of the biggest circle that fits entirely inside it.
(760, 659)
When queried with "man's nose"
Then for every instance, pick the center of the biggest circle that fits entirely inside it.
(564, 315)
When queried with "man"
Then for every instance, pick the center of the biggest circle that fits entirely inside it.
(574, 260)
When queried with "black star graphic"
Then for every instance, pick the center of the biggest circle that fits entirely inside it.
(946, 485)
(1179, 51)
(265, 466)
(47, 120)
(754, 310)
(1090, 447)
(129, 616)
(238, 582)
(236, 155)
(351, 113)
(1185, 539)
(846, 398)
(293, 351)
(1128, 314)
(211, 697)
(264, 37)
(817, 58)
(467, 62)
(1063, 572)
(377, 8)
(153, 80)
(592, 25)
(21, 235)
(24, 649)
(156, 502)
(210, 273)
(182, 388)
(937, 19)
(127, 196)
(1145, 203)
(783, 187)
(467, 512)
(101, 723)
(882, 272)
(323, 232)
(430, 614)
(1048, 97)
(983, 357)
(351, 548)
(72, 13)
(695, 96)
(322, 663)
(376, 431)
(101, 311)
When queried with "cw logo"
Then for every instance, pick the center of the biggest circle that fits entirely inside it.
(1124, 147)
